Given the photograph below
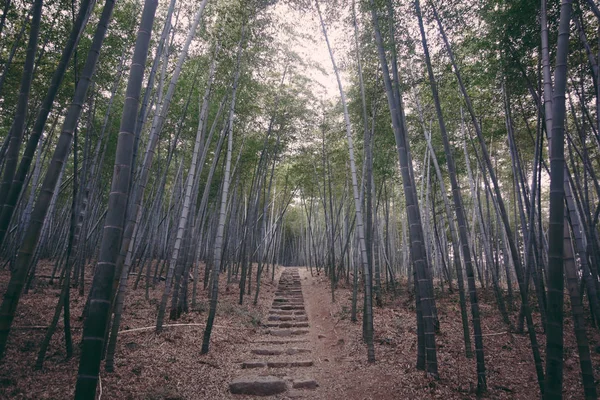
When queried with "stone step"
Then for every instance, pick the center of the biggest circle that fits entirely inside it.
(281, 312)
(257, 385)
(276, 352)
(294, 309)
(288, 300)
(288, 332)
(290, 364)
(287, 307)
(280, 341)
(299, 318)
(288, 303)
(253, 364)
(287, 325)
(295, 313)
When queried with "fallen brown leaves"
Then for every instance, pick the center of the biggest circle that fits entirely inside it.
(147, 365)
(509, 361)
(169, 365)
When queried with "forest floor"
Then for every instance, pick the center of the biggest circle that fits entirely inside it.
(148, 366)
(169, 365)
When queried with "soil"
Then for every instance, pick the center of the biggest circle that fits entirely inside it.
(169, 365)
(147, 365)
(346, 374)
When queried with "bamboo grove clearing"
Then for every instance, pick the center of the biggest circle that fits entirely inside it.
(429, 168)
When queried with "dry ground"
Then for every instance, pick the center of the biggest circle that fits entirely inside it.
(169, 365)
(147, 365)
(347, 375)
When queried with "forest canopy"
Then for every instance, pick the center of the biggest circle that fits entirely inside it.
(175, 151)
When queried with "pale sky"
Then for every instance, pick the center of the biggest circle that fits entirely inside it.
(314, 49)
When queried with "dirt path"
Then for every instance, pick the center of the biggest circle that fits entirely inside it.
(341, 361)
(169, 366)
(280, 361)
(337, 353)
(321, 364)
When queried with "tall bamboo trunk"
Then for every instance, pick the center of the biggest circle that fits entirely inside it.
(9, 202)
(218, 245)
(99, 304)
(459, 209)
(368, 313)
(554, 341)
(426, 320)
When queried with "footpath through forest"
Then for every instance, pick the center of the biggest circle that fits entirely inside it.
(295, 334)
(310, 349)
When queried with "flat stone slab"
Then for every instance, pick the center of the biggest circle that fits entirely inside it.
(253, 364)
(290, 364)
(287, 308)
(298, 303)
(304, 384)
(303, 363)
(278, 364)
(288, 332)
(288, 325)
(280, 341)
(299, 318)
(299, 331)
(258, 385)
(267, 352)
(281, 312)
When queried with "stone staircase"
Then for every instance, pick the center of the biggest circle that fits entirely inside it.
(281, 359)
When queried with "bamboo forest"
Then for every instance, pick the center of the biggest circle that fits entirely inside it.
(299, 199)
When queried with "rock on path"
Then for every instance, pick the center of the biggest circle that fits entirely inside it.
(258, 385)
